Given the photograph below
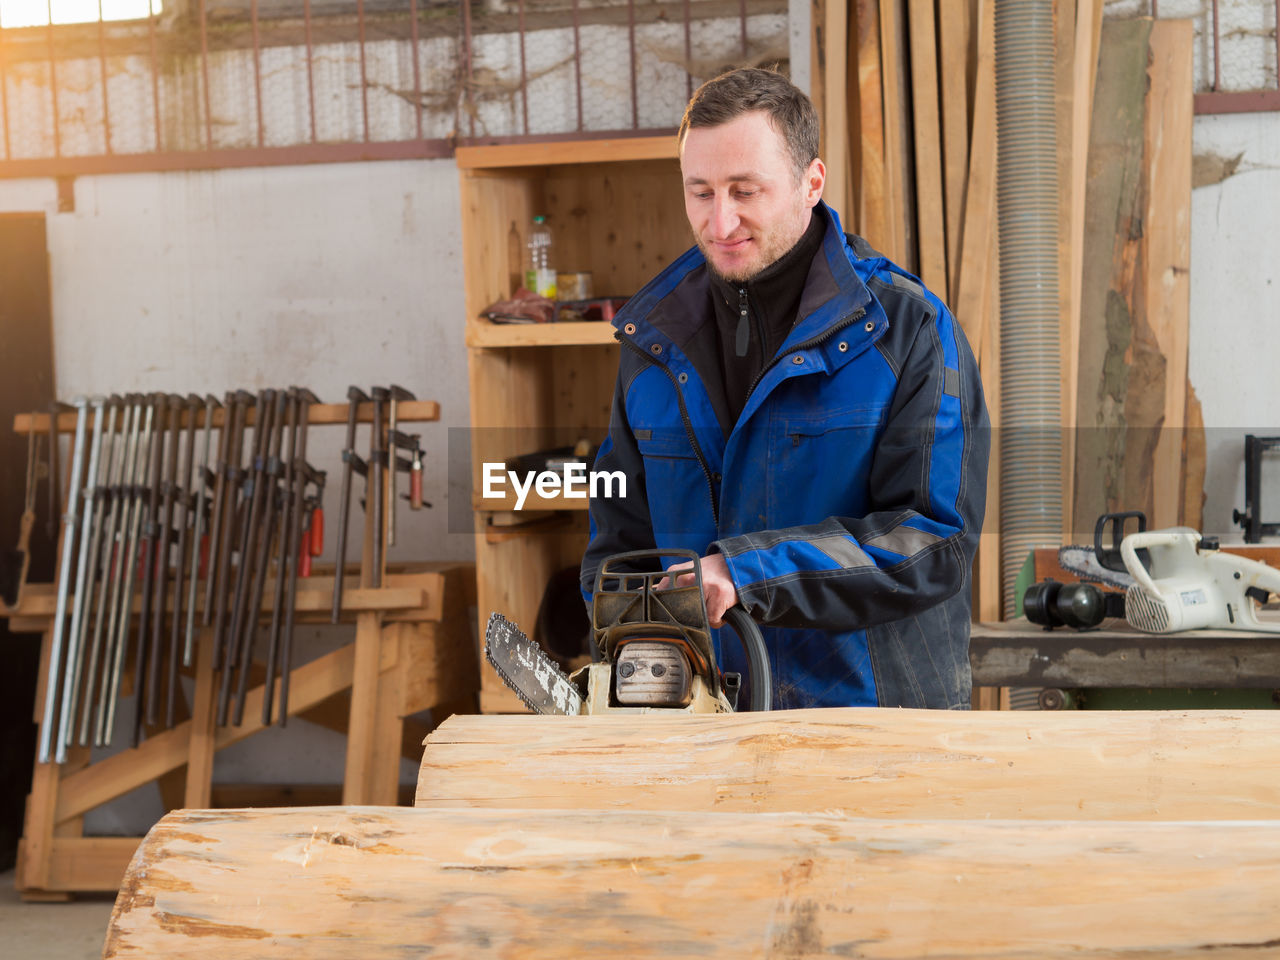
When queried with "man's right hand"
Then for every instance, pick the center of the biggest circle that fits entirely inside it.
(717, 585)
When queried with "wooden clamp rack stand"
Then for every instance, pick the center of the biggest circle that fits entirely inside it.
(413, 651)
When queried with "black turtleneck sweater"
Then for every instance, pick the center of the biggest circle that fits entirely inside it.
(753, 317)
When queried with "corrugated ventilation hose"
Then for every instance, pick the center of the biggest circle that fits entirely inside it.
(1030, 367)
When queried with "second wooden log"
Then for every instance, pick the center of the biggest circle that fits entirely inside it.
(1063, 765)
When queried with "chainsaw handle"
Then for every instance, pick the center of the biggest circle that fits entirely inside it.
(757, 657)
(1134, 542)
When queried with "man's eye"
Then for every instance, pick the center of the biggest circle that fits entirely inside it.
(702, 196)
(746, 194)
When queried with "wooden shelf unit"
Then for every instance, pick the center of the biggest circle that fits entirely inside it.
(615, 209)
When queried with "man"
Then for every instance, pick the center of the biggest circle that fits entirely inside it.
(805, 416)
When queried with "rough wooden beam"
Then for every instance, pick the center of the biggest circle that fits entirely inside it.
(1167, 138)
(1118, 360)
(1084, 73)
(931, 218)
(386, 882)
(866, 762)
(977, 243)
(869, 144)
(955, 37)
(897, 239)
(835, 115)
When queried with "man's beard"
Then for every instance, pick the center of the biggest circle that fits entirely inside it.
(778, 243)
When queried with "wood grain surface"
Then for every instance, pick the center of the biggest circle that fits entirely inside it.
(374, 882)
(869, 762)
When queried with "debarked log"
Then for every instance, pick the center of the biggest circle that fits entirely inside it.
(921, 764)
(375, 882)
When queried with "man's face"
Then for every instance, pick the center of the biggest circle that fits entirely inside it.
(744, 202)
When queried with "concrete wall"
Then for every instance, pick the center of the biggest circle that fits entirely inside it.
(323, 276)
(1234, 361)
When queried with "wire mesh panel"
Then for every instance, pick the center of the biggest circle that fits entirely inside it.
(211, 81)
(1236, 45)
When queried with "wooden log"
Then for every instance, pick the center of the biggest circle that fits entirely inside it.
(385, 882)
(1081, 765)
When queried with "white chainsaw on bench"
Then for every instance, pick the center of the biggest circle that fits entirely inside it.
(1174, 579)
(1189, 584)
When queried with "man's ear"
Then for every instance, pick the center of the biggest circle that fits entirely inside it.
(814, 179)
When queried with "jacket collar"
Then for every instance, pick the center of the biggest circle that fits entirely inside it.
(833, 292)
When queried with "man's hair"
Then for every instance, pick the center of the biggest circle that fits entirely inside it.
(740, 91)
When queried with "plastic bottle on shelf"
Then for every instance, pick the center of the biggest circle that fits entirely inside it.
(540, 271)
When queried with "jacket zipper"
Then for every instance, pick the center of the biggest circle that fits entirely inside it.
(688, 426)
(827, 334)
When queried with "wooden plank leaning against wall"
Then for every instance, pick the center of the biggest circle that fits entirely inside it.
(1135, 307)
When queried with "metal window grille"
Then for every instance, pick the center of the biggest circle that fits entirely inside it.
(1236, 53)
(218, 83)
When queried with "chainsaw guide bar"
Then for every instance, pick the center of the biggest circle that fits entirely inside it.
(528, 671)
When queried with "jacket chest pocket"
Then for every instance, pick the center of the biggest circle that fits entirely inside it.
(676, 486)
(819, 463)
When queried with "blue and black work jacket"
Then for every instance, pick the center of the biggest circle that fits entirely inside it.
(847, 498)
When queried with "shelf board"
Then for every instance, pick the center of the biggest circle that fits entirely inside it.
(482, 333)
(547, 153)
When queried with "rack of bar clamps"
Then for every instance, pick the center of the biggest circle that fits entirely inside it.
(165, 531)
(188, 527)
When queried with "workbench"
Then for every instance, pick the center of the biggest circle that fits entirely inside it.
(1017, 653)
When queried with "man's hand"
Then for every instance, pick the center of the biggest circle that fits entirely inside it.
(717, 585)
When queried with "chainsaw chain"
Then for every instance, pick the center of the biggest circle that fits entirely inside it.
(498, 624)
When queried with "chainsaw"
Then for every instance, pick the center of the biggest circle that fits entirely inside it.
(1173, 579)
(1189, 584)
(653, 648)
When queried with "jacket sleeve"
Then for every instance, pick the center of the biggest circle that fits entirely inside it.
(915, 546)
(618, 524)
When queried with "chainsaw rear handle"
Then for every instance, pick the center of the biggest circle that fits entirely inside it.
(737, 617)
(757, 657)
(1135, 546)
(1142, 540)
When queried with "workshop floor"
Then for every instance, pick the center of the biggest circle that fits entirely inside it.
(52, 931)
